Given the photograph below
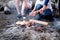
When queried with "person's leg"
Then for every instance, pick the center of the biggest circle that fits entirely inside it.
(47, 14)
(27, 11)
(20, 15)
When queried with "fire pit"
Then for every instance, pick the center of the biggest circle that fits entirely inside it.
(32, 23)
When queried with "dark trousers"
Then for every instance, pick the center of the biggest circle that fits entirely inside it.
(47, 14)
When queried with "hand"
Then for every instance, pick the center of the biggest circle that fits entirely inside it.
(26, 7)
(41, 11)
(32, 13)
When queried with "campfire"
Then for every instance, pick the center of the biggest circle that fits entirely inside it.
(32, 22)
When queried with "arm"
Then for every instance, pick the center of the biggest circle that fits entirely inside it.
(44, 7)
(34, 9)
(45, 4)
(32, 12)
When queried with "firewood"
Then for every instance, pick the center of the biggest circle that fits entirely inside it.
(20, 23)
(39, 22)
(32, 21)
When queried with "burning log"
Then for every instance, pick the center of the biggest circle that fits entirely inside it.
(31, 21)
(20, 23)
(39, 22)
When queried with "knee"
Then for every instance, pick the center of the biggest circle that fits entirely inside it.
(48, 12)
(38, 6)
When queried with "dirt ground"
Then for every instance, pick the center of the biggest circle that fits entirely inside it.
(10, 31)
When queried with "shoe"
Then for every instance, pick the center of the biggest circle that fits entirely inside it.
(19, 16)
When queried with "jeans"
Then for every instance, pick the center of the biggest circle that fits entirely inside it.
(46, 13)
(26, 12)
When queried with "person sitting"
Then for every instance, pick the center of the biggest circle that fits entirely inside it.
(42, 10)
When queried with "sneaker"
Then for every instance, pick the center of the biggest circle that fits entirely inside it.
(19, 16)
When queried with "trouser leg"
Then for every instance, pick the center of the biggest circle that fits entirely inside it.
(46, 14)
